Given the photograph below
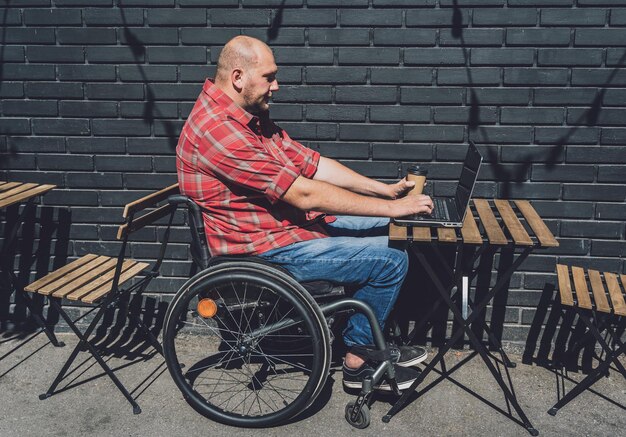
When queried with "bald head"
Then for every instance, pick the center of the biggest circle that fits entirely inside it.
(241, 52)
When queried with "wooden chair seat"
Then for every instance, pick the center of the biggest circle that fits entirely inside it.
(88, 279)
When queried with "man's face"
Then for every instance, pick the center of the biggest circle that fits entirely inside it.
(260, 82)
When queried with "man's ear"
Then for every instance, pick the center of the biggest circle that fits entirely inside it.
(236, 77)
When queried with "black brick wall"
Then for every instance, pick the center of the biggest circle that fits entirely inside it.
(94, 94)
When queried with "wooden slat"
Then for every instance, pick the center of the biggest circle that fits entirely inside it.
(25, 195)
(8, 185)
(517, 231)
(490, 223)
(446, 235)
(397, 233)
(102, 291)
(150, 200)
(59, 273)
(617, 299)
(580, 285)
(106, 278)
(540, 229)
(16, 190)
(469, 231)
(565, 288)
(71, 276)
(599, 296)
(85, 279)
(144, 220)
(421, 234)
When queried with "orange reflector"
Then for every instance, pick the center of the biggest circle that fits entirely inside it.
(207, 308)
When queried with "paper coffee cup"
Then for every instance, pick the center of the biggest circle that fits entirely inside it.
(417, 175)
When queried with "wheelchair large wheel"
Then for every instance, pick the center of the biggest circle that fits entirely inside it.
(226, 344)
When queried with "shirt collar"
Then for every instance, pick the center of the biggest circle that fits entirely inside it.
(231, 108)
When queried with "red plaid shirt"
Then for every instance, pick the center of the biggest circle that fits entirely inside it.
(236, 167)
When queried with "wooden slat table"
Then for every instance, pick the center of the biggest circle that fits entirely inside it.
(489, 224)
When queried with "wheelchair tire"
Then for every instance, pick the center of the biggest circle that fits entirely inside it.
(227, 365)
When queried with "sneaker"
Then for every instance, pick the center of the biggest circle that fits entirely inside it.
(353, 378)
(405, 356)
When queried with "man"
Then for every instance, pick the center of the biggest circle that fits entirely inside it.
(264, 194)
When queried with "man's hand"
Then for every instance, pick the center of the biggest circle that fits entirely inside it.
(400, 188)
(413, 204)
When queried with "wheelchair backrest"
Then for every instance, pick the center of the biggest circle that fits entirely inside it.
(199, 247)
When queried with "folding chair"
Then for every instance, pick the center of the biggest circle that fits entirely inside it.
(95, 280)
(600, 311)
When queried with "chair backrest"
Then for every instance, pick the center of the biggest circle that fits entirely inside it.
(199, 246)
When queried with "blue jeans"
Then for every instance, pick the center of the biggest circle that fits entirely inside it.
(356, 253)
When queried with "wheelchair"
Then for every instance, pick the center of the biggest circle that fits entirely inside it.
(249, 346)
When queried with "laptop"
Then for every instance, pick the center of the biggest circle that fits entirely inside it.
(450, 211)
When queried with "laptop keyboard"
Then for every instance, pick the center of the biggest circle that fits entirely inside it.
(440, 209)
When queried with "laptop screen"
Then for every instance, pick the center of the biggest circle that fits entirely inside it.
(469, 174)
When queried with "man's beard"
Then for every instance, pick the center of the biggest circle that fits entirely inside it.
(256, 107)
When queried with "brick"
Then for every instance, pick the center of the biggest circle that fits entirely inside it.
(504, 172)
(457, 152)
(17, 162)
(569, 57)
(565, 97)
(402, 114)
(311, 131)
(288, 36)
(404, 37)
(96, 36)
(303, 94)
(613, 96)
(52, 17)
(149, 181)
(591, 229)
(471, 37)
(566, 135)
(435, 134)
(116, 91)
(88, 109)
(13, 54)
(336, 75)
(610, 211)
(401, 76)
(618, 17)
(335, 113)
(504, 17)
(532, 116)
(83, 2)
(28, 35)
(36, 144)
(113, 17)
(27, 72)
(533, 153)
(123, 164)
(61, 126)
(33, 108)
(51, 90)
(464, 76)
(65, 162)
(435, 96)
(435, 57)
(120, 127)
(502, 56)
(285, 112)
(149, 146)
(243, 18)
(437, 18)
(373, 169)
(590, 116)
(371, 17)
(281, 3)
(563, 173)
(538, 37)
(11, 17)
(91, 73)
(96, 145)
(596, 154)
(497, 134)
(146, 2)
(608, 248)
(529, 191)
(174, 55)
(342, 149)
(168, 128)
(600, 37)
(612, 173)
(499, 96)
(193, 3)
(303, 56)
(149, 109)
(540, 2)
(177, 17)
(207, 36)
(39, 177)
(309, 17)
(535, 76)
(369, 56)
(368, 132)
(344, 3)
(339, 37)
(480, 115)
(595, 193)
(365, 94)
(598, 77)
(147, 73)
(108, 55)
(557, 210)
(615, 57)
(403, 151)
(613, 136)
(139, 37)
(165, 164)
(73, 198)
(573, 17)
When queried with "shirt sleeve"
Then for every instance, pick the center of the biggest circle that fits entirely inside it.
(304, 158)
(234, 154)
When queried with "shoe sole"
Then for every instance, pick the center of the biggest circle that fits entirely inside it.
(382, 387)
(412, 362)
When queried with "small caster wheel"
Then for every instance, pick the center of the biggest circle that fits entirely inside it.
(553, 411)
(363, 420)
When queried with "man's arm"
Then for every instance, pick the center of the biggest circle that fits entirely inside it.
(316, 195)
(332, 172)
